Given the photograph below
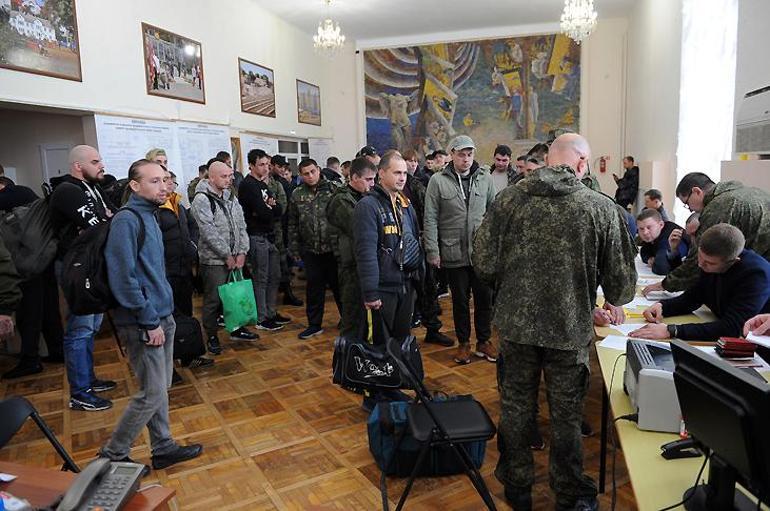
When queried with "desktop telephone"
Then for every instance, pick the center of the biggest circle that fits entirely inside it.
(103, 484)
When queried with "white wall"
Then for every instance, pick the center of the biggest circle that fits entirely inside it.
(752, 70)
(114, 79)
(654, 57)
(22, 133)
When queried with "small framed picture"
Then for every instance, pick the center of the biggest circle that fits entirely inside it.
(173, 65)
(308, 103)
(257, 88)
(40, 37)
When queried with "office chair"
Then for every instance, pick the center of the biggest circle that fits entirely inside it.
(15, 411)
(442, 423)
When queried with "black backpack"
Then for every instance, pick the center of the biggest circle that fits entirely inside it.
(84, 279)
(188, 339)
(30, 238)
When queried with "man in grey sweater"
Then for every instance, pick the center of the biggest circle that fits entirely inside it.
(222, 245)
(143, 318)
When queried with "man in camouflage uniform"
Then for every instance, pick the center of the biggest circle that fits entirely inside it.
(339, 212)
(276, 181)
(311, 240)
(729, 202)
(546, 289)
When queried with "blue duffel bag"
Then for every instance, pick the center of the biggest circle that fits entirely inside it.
(388, 422)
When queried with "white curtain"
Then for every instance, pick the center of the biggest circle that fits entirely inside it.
(707, 89)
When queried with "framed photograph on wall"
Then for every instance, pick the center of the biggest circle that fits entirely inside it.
(173, 65)
(308, 103)
(257, 88)
(40, 37)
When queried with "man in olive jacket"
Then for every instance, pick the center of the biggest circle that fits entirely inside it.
(546, 244)
(455, 203)
(10, 294)
(312, 240)
(729, 202)
(339, 212)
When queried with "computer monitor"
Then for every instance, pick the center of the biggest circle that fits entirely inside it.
(727, 411)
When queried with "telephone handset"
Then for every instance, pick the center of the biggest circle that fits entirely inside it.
(103, 484)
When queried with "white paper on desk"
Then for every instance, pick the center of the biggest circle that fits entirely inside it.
(662, 295)
(7, 478)
(646, 281)
(626, 328)
(639, 301)
(762, 340)
(618, 342)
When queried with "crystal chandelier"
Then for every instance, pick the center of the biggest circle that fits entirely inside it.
(328, 40)
(578, 19)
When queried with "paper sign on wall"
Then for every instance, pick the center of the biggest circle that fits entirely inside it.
(320, 149)
(249, 142)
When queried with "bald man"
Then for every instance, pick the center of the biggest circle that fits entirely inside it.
(222, 245)
(546, 244)
(78, 203)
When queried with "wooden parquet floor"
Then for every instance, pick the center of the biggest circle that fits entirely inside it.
(277, 434)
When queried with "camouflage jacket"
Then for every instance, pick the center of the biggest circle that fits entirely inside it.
(546, 243)
(339, 213)
(308, 228)
(729, 202)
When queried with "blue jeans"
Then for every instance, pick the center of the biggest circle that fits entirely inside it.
(79, 351)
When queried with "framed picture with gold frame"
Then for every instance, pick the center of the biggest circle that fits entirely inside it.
(173, 65)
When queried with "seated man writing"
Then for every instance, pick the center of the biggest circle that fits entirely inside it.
(734, 283)
(656, 249)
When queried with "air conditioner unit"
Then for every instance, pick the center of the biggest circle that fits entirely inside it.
(752, 128)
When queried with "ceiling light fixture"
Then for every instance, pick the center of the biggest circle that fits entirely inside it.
(329, 40)
(578, 19)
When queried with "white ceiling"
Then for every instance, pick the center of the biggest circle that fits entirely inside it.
(377, 19)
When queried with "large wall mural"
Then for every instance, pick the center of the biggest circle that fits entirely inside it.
(514, 91)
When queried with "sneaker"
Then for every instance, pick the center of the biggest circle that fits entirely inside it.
(463, 354)
(536, 442)
(585, 429)
(178, 455)
(89, 402)
(519, 498)
(310, 332)
(281, 320)
(486, 350)
(213, 345)
(221, 321)
(24, 368)
(200, 362)
(433, 337)
(242, 334)
(103, 385)
(269, 324)
(291, 300)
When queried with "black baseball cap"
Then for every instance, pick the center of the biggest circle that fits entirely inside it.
(368, 150)
(279, 160)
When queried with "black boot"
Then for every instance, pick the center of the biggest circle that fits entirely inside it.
(289, 298)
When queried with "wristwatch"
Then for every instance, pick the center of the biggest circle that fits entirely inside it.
(672, 331)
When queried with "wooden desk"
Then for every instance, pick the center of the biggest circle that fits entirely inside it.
(42, 486)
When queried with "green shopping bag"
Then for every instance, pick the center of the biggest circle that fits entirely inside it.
(238, 303)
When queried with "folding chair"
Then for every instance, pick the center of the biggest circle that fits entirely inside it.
(441, 423)
(15, 411)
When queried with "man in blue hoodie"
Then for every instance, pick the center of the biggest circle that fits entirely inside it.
(144, 318)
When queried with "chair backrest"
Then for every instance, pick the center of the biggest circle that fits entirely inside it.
(14, 411)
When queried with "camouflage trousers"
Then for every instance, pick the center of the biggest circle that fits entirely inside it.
(353, 317)
(519, 368)
(282, 254)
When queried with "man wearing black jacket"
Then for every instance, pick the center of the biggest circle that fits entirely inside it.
(78, 203)
(628, 185)
(260, 210)
(388, 255)
(656, 250)
(38, 311)
(734, 283)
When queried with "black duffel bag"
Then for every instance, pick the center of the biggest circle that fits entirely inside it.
(359, 365)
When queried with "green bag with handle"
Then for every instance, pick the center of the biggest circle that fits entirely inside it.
(238, 303)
